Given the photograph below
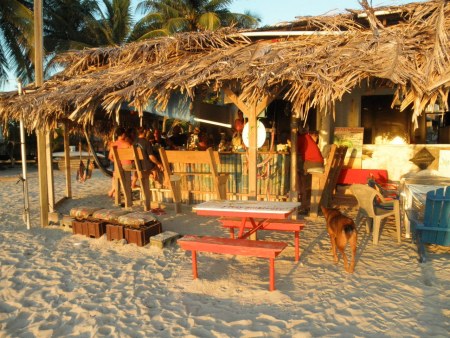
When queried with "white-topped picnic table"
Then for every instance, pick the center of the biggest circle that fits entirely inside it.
(248, 211)
(262, 215)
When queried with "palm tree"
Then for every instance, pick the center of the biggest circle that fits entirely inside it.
(16, 37)
(166, 17)
(69, 24)
(116, 22)
(82, 24)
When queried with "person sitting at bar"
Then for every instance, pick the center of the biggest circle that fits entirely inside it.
(194, 139)
(203, 141)
(178, 139)
(159, 140)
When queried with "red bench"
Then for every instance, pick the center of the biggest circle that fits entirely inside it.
(240, 247)
(360, 176)
(292, 225)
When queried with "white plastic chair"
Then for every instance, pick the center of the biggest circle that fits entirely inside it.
(367, 202)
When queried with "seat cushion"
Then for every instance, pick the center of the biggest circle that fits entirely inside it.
(109, 214)
(137, 219)
(83, 212)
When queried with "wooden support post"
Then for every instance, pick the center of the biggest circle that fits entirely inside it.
(50, 179)
(252, 155)
(39, 78)
(42, 173)
(68, 191)
(293, 193)
(251, 112)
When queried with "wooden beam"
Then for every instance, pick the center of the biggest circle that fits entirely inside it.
(235, 99)
(39, 76)
(67, 169)
(293, 193)
(42, 173)
(252, 154)
(50, 178)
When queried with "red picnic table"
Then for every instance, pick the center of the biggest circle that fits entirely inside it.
(258, 213)
(251, 215)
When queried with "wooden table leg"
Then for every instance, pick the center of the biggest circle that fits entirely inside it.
(242, 227)
(272, 274)
(297, 246)
(194, 264)
(231, 233)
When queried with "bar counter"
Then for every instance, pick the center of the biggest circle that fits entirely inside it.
(272, 183)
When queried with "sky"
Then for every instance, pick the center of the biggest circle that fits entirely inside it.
(274, 11)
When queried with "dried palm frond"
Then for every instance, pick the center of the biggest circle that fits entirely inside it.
(411, 56)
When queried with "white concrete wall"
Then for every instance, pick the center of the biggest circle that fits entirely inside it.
(394, 158)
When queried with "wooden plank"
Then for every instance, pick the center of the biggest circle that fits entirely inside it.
(143, 177)
(188, 156)
(190, 165)
(241, 247)
(271, 224)
(323, 183)
(122, 180)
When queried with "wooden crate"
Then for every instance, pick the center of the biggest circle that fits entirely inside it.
(114, 232)
(77, 227)
(95, 228)
(141, 236)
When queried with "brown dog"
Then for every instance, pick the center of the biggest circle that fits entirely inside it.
(342, 230)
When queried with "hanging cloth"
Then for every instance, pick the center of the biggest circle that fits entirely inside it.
(89, 167)
(81, 172)
(99, 164)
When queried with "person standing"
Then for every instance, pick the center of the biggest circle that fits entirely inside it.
(150, 163)
(239, 122)
(309, 157)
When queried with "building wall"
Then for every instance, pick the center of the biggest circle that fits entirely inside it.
(398, 159)
(395, 158)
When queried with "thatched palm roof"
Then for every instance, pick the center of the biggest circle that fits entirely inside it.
(412, 56)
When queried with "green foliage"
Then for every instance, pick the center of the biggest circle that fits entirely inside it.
(166, 17)
(79, 24)
(16, 34)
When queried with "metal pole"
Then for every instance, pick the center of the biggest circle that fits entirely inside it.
(23, 150)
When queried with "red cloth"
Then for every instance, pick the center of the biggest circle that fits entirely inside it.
(239, 125)
(308, 149)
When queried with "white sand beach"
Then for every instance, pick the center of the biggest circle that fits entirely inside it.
(55, 284)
